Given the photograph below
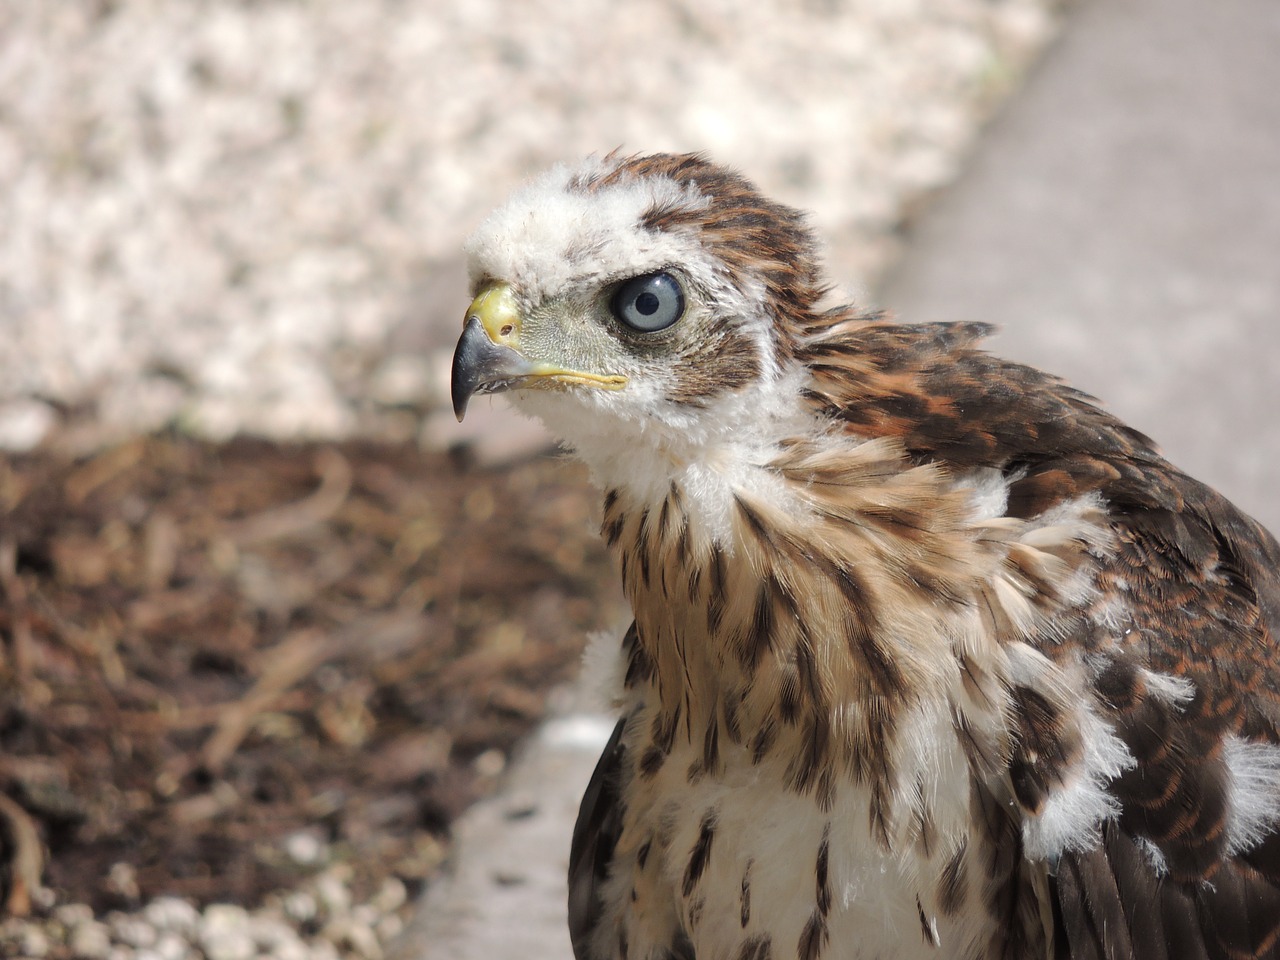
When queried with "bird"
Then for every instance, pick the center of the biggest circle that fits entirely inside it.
(931, 656)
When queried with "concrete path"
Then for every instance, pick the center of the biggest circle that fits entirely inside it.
(505, 894)
(1121, 221)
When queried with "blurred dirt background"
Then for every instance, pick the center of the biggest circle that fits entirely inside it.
(227, 663)
(216, 654)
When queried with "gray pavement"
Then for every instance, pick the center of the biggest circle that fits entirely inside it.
(505, 892)
(1121, 221)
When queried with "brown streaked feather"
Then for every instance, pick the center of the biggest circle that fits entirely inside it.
(759, 947)
(813, 939)
(1047, 747)
(1015, 898)
(1202, 586)
(700, 856)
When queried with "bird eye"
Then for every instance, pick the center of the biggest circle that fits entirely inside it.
(648, 303)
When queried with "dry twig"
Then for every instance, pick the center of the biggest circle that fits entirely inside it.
(335, 485)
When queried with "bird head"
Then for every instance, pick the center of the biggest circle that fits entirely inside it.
(638, 297)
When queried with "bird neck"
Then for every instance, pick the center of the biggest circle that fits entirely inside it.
(710, 454)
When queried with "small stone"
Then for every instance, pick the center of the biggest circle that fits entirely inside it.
(304, 848)
(173, 914)
(130, 930)
(332, 894)
(490, 763)
(122, 879)
(90, 940)
(220, 917)
(34, 942)
(71, 915)
(225, 933)
(270, 932)
(392, 895)
(230, 945)
(292, 950)
(299, 906)
(171, 946)
(43, 898)
(24, 423)
(356, 937)
(322, 950)
(389, 927)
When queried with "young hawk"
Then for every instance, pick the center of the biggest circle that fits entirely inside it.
(931, 656)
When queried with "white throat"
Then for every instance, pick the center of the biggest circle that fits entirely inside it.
(711, 453)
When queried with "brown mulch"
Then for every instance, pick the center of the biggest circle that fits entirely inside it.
(206, 650)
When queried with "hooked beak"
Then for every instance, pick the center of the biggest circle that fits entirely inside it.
(488, 358)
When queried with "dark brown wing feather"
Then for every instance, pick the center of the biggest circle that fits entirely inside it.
(1202, 582)
(594, 836)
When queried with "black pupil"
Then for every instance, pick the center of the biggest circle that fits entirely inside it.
(647, 303)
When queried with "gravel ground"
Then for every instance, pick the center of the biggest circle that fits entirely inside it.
(318, 922)
(264, 680)
(245, 216)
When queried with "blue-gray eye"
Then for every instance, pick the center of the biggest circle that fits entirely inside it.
(648, 303)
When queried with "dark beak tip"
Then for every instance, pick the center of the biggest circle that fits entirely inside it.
(465, 376)
(481, 366)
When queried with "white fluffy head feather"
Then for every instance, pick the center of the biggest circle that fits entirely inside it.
(718, 386)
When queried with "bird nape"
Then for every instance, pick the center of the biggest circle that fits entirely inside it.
(931, 657)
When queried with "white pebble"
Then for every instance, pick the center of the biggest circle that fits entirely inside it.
(24, 423)
(320, 949)
(390, 896)
(171, 946)
(490, 763)
(304, 848)
(172, 913)
(270, 932)
(224, 933)
(229, 945)
(71, 915)
(292, 950)
(354, 936)
(223, 917)
(131, 930)
(299, 906)
(389, 927)
(90, 940)
(34, 942)
(332, 893)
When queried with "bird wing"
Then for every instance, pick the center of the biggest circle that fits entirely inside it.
(1190, 868)
(595, 834)
(599, 825)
